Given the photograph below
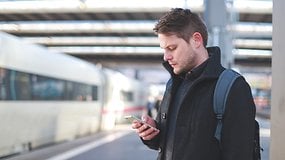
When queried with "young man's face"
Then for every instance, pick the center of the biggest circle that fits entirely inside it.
(180, 54)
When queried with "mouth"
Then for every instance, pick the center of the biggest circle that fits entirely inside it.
(172, 64)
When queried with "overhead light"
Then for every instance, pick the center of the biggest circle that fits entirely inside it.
(253, 43)
(109, 50)
(73, 6)
(108, 40)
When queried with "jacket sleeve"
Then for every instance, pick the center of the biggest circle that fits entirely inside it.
(154, 143)
(238, 123)
(160, 124)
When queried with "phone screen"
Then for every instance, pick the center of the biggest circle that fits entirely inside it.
(131, 118)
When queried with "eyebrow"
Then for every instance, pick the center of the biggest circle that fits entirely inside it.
(168, 45)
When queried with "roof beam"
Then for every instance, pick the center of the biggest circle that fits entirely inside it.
(105, 41)
(131, 41)
(78, 26)
(97, 6)
(260, 30)
(253, 43)
(99, 50)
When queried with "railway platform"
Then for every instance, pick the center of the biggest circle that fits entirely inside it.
(122, 143)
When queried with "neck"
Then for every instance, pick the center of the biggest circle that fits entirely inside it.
(204, 55)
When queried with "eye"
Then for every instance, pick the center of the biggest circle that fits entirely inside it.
(171, 48)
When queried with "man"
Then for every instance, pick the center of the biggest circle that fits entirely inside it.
(186, 120)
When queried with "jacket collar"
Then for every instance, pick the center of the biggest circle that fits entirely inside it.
(213, 68)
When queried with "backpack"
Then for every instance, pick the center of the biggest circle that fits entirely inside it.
(223, 86)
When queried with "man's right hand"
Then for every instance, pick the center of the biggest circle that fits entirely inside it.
(143, 130)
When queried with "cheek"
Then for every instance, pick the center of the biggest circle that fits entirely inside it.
(185, 55)
(187, 61)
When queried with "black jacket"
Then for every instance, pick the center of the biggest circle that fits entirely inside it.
(196, 121)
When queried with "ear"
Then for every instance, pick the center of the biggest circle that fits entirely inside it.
(197, 39)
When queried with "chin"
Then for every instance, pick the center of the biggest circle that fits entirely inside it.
(176, 72)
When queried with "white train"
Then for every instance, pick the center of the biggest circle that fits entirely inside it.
(48, 97)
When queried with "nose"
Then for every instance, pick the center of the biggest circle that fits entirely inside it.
(167, 56)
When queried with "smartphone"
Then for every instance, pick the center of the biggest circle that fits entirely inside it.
(132, 117)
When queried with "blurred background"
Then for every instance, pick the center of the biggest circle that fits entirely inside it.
(118, 34)
(59, 56)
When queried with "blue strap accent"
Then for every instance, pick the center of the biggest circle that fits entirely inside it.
(223, 86)
(218, 130)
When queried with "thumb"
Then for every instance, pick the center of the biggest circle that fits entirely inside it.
(149, 120)
(145, 118)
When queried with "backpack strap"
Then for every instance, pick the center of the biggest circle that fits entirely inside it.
(223, 86)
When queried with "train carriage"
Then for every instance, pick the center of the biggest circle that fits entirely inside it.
(125, 97)
(48, 97)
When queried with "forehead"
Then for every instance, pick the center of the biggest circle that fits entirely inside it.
(166, 40)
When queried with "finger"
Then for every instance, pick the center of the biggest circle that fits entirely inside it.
(136, 125)
(148, 131)
(145, 118)
(142, 128)
(151, 135)
(148, 120)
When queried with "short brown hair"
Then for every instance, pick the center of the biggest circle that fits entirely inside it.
(183, 23)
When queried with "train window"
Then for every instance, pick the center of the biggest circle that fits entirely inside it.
(82, 92)
(44, 88)
(68, 93)
(95, 93)
(3, 84)
(16, 85)
(127, 96)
